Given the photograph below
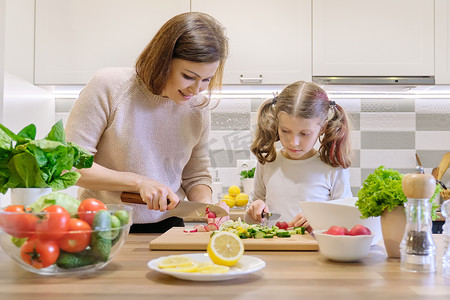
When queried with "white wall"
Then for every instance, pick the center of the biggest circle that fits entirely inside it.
(2, 53)
(21, 103)
(19, 37)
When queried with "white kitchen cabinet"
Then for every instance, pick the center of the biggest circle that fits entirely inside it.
(75, 38)
(442, 36)
(373, 38)
(270, 41)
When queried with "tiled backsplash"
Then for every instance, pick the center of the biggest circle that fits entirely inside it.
(388, 129)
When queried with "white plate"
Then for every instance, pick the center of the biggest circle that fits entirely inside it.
(247, 264)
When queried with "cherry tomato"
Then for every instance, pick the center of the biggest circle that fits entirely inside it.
(88, 208)
(54, 224)
(17, 221)
(78, 238)
(39, 253)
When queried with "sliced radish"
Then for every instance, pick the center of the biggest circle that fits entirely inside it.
(211, 215)
(189, 230)
(200, 228)
(212, 227)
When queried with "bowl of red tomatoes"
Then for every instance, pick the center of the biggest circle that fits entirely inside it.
(64, 237)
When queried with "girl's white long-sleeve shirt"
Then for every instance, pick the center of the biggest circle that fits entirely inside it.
(284, 183)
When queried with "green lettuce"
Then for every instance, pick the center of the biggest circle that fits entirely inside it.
(382, 190)
(56, 198)
(49, 162)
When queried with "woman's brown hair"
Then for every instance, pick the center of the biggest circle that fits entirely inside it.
(304, 100)
(191, 36)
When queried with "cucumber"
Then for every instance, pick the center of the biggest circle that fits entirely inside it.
(123, 216)
(101, 237)
(115, 227)
(283, 233)
(75, 260)
(259, 235)
(269, 235)
(242, 235)
(300, 230)
(292, 232)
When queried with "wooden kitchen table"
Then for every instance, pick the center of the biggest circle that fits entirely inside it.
(287, 275)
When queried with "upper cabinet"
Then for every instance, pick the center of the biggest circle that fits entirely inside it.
(75, 38)
(373, 38)
(270, 41)
(442, 41)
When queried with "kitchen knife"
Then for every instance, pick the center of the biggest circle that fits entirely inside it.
(183, 209)
(270, 216)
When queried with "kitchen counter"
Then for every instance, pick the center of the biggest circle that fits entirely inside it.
(287, 275)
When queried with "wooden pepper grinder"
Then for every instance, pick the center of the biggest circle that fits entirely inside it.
(417, 249)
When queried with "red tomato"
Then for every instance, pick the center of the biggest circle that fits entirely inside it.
(39, 253)
(17, 222)
(54, 224)
(78, 238)
(282, 225)
(88, 208)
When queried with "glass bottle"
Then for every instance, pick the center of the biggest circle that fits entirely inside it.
(417, 249)
(445, 209)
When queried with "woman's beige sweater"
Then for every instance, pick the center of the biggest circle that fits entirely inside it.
(127, 128)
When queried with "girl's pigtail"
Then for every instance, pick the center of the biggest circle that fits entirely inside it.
(335, 141)
(263, 147)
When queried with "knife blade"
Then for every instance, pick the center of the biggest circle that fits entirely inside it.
(270, 216)
(183, 208)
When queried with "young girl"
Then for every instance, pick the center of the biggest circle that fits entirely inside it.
(298, 117)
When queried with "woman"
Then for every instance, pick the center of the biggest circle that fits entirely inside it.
(148, 127)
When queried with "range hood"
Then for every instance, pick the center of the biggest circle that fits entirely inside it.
(375, 80)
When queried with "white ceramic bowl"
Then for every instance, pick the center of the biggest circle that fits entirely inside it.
(345, 248)
(341, 212)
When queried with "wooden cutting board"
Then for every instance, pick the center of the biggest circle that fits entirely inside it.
(176, 239)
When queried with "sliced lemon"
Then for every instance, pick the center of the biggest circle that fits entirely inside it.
(204, 265)
(225, 248)
(213, 269)
(241, 199)
(234, 190)
(191, 268)
(174, 261)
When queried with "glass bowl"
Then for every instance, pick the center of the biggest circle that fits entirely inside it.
(44, 250)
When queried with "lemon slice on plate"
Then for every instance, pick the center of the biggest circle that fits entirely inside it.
(175, 261)
(191, 268)
(213, 269)
(225, 248)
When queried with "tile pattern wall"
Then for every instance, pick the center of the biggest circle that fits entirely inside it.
(386, 131)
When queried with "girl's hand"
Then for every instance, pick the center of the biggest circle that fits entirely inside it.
(300, 221)
(157, 195)
(255, 210)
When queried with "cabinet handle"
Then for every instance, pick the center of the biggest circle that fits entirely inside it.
(251, 79)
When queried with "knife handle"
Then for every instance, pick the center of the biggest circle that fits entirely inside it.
(134, 198)
(131, 198)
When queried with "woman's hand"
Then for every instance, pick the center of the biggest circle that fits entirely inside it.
(255, 210)
(157, 195)
(300, 221)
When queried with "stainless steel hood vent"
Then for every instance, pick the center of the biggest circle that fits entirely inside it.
(380, 80)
